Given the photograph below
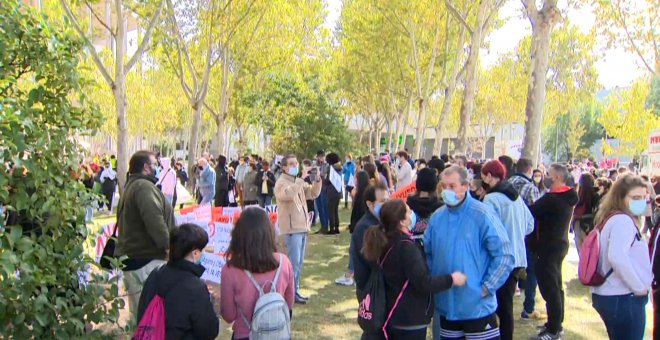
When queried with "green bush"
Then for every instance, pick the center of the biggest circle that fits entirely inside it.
(43, 112)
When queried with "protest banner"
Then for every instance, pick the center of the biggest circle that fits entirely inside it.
(213, 265)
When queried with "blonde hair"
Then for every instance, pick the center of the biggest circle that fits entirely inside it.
(615, 199)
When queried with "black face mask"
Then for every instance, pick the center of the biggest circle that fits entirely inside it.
(547, 182)
(485, 186)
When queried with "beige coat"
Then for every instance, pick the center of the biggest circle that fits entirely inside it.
(291, 194)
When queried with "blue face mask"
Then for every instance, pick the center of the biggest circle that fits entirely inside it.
(637, 207)
(377, 207)
(199, 260)
(450, 198)
(293, 171)
(413, 220)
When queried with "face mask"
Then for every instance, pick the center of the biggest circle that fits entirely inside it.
(293, 171)
(413, 220)
(547, 182)
(377, 207)
(637, 207)
(199, 259)
(449, 197)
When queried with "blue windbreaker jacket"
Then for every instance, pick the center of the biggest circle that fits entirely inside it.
(471, 239)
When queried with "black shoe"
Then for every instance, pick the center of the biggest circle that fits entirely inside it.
(335, 232)
(300, 301)
(322, 232)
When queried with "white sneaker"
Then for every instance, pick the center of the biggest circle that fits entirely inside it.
(345, 281)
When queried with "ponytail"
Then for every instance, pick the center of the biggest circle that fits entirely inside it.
(375, 242)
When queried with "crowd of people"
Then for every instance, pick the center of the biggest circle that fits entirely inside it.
(452, 253)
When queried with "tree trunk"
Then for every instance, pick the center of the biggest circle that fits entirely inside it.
(472, 71)
(437, 144)
(379, 134)
(542, 25)
(405, 124)
(119, 92)
(193, 146)
(419, 133)
(390, 131)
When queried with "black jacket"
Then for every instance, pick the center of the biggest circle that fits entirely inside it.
(361, 266)
(423, 207)
(189, 312)
(406, 261)
(221, 178)
(329, 189)
(271, 181)
(552, 213)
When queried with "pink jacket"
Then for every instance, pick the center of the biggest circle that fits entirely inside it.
(238, 292)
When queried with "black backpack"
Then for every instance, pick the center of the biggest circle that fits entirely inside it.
(373, 305)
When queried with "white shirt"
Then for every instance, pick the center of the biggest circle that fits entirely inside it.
(404, 176)
(622, 250)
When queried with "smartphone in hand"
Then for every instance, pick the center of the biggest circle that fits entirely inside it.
(313, 174)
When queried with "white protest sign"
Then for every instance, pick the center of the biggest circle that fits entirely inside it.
(221, 237)
(230, 211)
(213, 265)
(203, 212)
(271, 208)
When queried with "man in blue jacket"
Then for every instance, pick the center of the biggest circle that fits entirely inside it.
(206, 181)
(465, 235)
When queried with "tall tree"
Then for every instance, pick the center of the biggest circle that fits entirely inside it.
(115, 26)
(542, 21)
(190, 47)
(486, 10)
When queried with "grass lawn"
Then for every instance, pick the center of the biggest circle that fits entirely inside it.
(332, 310)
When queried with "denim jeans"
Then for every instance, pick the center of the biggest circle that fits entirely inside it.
(530, 282)
(296, 244)
(265, 200)
(624, 315)
(322, 207)
(134, 281)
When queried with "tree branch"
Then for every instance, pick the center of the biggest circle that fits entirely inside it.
(494, 10)
(145, 39)
(532, 11)
(103, 23)
(458, 16)
(624, 25)
(90, 47)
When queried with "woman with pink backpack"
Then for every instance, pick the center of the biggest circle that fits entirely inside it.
(623, 261)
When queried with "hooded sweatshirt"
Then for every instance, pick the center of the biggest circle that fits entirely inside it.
(515, 217)
(553, 212)
(423, 207)
(469, 238)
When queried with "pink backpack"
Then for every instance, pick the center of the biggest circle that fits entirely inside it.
(152, 324)
(589, 255)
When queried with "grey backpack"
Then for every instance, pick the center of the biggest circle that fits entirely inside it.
(271, 319)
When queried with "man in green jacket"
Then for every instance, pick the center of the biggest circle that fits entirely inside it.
(144, 222)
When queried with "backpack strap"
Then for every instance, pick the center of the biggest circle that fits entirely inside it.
(396, 302)
(254, 282)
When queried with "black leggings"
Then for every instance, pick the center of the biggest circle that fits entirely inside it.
(333, 213)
